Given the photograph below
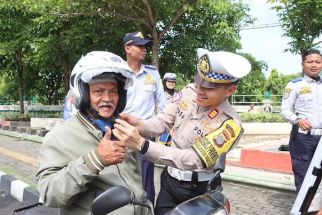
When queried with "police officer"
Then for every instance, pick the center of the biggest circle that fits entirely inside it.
(302, 107)
(169, 85)
(204, 126)
(145, 96)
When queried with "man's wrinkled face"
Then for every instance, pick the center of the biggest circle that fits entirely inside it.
(104, 98)
(213, 97)
(312, 65)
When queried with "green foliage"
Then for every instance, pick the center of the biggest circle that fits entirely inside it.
(253, 83)
(261, 117)
(213, 25)
(48, 37)
(13, 116)
(302, 22)
(182, 81)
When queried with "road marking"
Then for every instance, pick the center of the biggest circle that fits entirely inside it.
(18, 156)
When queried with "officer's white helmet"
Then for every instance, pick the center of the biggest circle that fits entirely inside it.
(169, 77)
(94, 64)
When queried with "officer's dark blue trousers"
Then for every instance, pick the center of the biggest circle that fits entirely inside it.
(147, 169)
(302, 148)
(174, 192)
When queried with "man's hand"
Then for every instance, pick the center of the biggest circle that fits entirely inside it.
(128, 133)
(132, 120)
(304, 124)
(112, 152)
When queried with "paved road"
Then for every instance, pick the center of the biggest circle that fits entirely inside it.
(251, 200)
(18, 158)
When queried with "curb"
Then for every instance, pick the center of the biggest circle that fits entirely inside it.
(21, 191)
(258, 182)
(34, 138)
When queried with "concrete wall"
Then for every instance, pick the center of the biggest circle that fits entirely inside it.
(47, 123)
(267, 128)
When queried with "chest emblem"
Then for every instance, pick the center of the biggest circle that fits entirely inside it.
(149, 79)
(206, 125)
(183, 105)
(305, 90)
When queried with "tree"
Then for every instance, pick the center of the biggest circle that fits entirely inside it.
(15, 40)
(63, 30)
(302, 22)
(253, 83)
(213, 25)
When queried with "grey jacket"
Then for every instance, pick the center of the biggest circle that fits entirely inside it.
(64, 180)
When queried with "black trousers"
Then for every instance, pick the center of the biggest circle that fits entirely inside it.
(302, 148)
(174, 192)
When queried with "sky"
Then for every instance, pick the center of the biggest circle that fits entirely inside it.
(268, 44)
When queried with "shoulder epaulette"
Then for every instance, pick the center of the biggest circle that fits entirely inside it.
(150, 67)
(296, 80)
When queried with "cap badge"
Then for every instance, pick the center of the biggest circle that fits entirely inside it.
(139, 34)
(204, 64)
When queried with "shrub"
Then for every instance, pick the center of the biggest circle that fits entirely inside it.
(261, 117)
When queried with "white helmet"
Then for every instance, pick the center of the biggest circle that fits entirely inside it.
(169, 77)
(95, 64)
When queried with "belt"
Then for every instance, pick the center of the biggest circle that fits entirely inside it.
(187, 175)
(316, 131)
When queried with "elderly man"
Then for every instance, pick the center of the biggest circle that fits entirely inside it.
(80, 159)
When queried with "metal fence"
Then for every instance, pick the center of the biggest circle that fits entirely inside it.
(275, 100)
(35, 110)
(240, 101)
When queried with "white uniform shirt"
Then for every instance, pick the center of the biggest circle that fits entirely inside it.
(146, 95)
(303, 99)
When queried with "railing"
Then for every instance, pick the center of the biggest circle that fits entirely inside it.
(35, 110)
(275, 100)
(241, 102)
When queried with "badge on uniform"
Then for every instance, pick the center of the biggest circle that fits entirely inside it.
(305, 90)
(183, 105)
(149, 79)
(287, 92)
(212, 114)
(218, 141)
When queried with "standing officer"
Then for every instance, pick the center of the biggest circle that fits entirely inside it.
(204, 126)
(144, 97)
(302, 107)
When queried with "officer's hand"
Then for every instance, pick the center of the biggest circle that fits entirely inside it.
(128, 133)
(132, 120)
(319, 212)
(304, 124)
(112, 152)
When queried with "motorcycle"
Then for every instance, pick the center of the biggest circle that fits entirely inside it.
(213, 202)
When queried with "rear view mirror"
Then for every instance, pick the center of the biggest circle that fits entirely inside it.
(112, 199)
